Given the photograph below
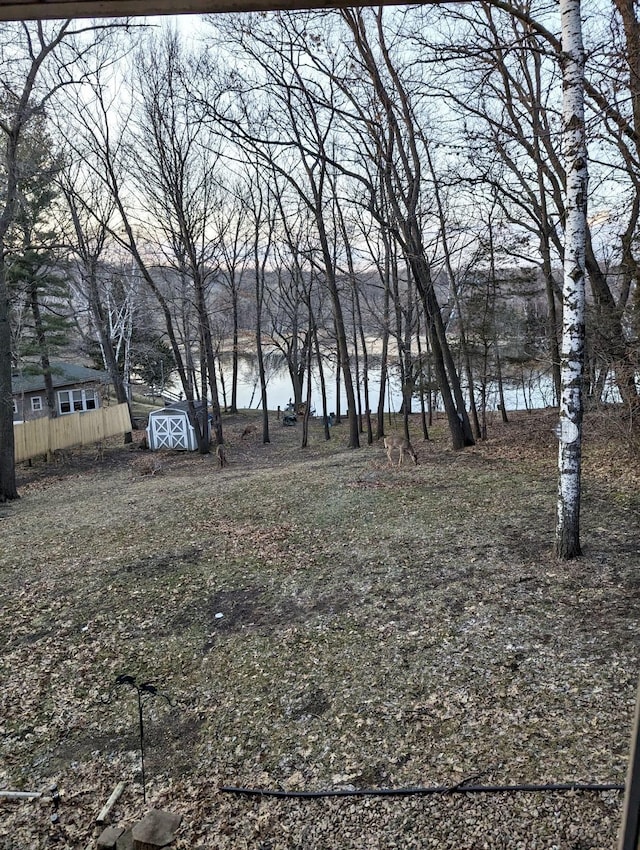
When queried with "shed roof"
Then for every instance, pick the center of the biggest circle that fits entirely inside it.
(169, 411)
(63, 375)
(184, 405)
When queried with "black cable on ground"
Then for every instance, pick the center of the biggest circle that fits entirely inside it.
(436, 789)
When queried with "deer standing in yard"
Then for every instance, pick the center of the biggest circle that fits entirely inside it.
(221, 455)
(395, 441)
(248, 431)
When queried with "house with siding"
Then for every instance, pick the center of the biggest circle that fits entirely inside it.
(76, 389)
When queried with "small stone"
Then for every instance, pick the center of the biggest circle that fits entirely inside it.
(108, 837)
(156, 829)
(125, 842)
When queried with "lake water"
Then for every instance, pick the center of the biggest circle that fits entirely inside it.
(531, 389)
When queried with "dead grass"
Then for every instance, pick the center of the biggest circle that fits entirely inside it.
(320, 620)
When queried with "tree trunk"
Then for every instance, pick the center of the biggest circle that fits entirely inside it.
(323, 385)
(338, 380)
(234, 354)
(24, 110)
(611, 330)
(307, 408)
(384, 356)
(8, 488)
(453, 285)
(259, 271)
(108, 353)
(41, 338)
(263, 385)
(503, 407)
(211, 364)
(552, 316)
(423, 411)
(352, 413)
(446, 374)
(573, 290)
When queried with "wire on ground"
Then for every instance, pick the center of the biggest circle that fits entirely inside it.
(436, 789)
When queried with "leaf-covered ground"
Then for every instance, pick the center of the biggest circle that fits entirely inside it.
(319, 620)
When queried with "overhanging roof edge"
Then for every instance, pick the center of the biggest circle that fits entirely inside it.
(62, 9)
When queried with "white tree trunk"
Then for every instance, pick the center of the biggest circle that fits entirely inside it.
(573, 291)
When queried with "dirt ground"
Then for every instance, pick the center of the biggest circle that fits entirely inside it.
(316, 620)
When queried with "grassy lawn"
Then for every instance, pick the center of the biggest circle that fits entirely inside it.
(319, 620)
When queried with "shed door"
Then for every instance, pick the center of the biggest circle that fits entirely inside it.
(169, 432)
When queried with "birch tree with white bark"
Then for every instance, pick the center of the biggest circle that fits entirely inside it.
(573, 288)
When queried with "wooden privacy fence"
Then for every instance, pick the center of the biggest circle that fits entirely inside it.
(41, 436)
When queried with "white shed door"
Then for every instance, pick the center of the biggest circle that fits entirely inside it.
(169, 432)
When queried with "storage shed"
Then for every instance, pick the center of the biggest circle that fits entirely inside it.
(171, 427)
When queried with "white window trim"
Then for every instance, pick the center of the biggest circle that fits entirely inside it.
(35, 408)
(71, 401)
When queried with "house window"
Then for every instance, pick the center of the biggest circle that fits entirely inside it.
(36, 403)
(76, 401)
(15, 406)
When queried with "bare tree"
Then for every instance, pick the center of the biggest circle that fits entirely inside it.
(89, 240)
(397, 151)
(284, 129)
(289, 297)
(507, 87)
(175, 180)
(235, 255)
(37, 284)
(383, 254)
(37, 60)
(94, 129)
(261, 208)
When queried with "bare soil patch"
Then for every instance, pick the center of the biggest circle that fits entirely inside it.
(319, 620)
